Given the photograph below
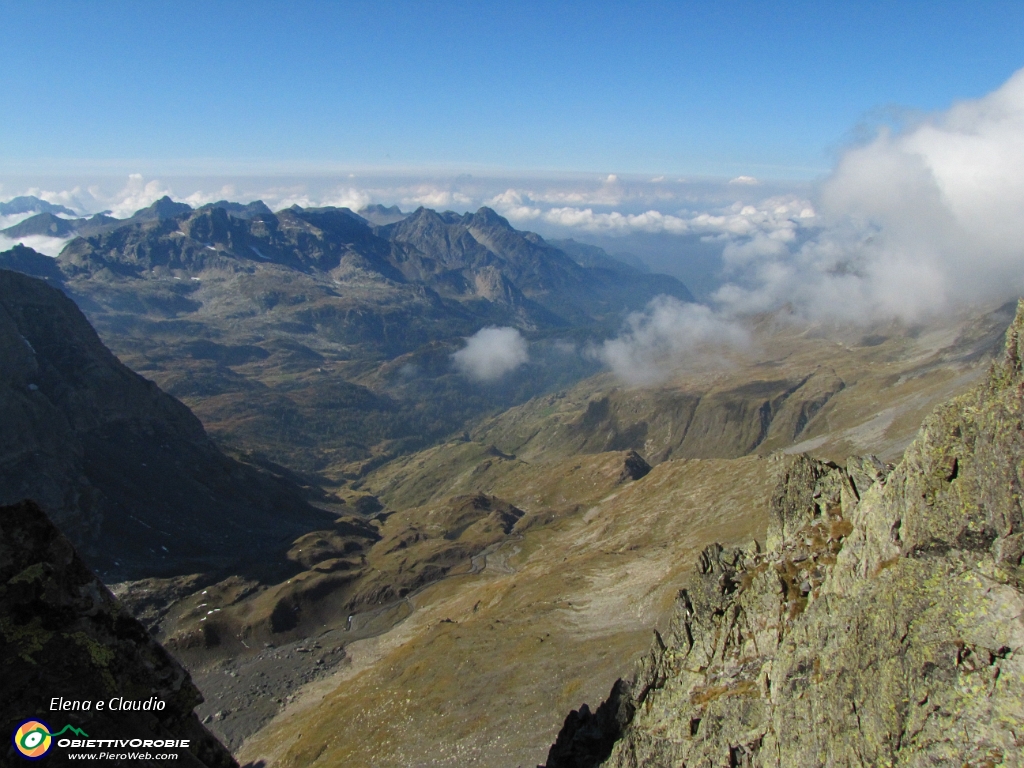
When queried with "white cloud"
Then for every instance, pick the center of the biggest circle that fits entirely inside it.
(608, 194)
(669, 336)
(200, 198)
(432, 196)
(137, 194)
(50, 246)
(912, 223)
(14, 218)
(350, 198)
(340, 197)
(615, 222)
(67, 198)
(777, 217)
(748, 181)
(490, 353)
(908, 225)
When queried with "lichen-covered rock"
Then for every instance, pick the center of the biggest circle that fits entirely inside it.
(882, 626)
(62, 634)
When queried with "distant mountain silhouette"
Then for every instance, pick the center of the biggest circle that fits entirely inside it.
(31, 204)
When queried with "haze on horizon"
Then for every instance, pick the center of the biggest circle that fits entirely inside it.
(855, 163)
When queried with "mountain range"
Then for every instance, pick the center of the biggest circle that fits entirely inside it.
(262, 321)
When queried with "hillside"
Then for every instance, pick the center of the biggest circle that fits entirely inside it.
(833, 391)
(126, 471)
(594, 563)
(797, 389)
(881, 625)
(484, 663)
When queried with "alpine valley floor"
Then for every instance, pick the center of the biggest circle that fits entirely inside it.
(481, 666)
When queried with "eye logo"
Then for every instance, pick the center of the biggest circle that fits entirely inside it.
(32, 739)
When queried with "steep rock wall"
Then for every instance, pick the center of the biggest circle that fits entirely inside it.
(125, 470)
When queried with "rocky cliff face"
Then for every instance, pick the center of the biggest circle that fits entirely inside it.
(62, 634)
(882, 625)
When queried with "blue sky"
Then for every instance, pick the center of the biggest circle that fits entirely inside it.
(721, 89)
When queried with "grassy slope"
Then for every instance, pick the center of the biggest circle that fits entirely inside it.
(547, 624)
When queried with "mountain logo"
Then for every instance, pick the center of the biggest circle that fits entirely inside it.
(33, 738)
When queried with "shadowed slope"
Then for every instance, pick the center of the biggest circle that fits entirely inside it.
(126, 470)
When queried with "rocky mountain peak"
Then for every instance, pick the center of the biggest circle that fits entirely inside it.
(420, 219)
(242, 211)
(380, 216)
(488, 217)
(164, 208)
(23, 259)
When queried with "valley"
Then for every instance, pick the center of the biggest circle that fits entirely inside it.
(379, 559)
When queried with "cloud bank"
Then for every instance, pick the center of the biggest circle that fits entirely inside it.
(51, 246)
(913, 223)
(490, 353)
(668, 336)
(909, 225)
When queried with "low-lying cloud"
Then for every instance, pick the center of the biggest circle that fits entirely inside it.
(490, 353)
(50, 246)
(909, 225)
(669, 336)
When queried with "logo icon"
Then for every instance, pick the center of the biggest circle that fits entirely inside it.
(32, 739)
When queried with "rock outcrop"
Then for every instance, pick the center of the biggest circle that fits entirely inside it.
(882, 625)
(63, 635)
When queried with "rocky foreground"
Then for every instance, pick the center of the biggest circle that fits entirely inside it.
(62, 634)
(883, 625)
